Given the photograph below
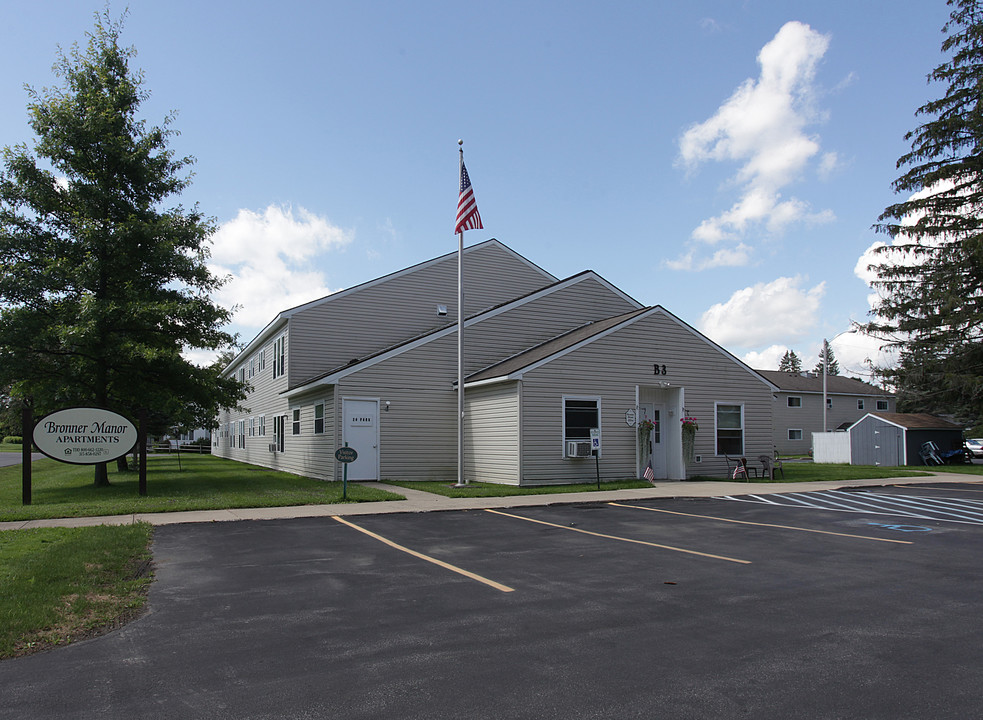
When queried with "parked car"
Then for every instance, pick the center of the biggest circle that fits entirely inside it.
(975, 447)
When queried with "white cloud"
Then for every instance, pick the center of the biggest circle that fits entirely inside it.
(829, 163)
(874, 255)
(781, 310)
(763, 127)
(855, 351)
(766, 359)
(271, 256)
(726, 257)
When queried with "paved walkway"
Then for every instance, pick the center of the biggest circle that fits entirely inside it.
(13, 458)
(419, 501)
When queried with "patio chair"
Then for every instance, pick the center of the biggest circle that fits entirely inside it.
(929, 453)
(770, 465)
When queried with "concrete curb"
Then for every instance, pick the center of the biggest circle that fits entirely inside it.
(418, 501)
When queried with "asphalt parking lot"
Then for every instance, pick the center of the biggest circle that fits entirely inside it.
(655, 609)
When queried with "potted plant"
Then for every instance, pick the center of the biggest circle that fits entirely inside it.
(690, 426)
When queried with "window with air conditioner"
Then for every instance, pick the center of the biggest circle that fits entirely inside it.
(580, 416)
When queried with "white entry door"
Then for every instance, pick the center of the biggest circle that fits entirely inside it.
(361, 431)
(656, 451)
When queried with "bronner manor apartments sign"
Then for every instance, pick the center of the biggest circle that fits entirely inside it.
(84, 436)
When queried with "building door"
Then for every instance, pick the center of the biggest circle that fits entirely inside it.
(361, 431)
(655, 453)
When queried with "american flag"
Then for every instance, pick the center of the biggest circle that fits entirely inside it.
(648, 474)
(467, 209)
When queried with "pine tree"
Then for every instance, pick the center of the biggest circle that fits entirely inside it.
(829, 359)
(930, 279)
(101, 285)
(790, 362)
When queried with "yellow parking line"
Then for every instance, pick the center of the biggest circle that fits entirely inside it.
(746, 522)
(435, 561)
(622, 539)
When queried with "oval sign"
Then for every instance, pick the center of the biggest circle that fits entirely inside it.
(345, 454)
(84, 436)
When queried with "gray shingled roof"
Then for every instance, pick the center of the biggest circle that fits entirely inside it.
(835, 384)
(551, 347)
(916, 421)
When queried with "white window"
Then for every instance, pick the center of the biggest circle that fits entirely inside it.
(795, 402)
(252, 367)
(280, 356)
(729, 428)
(794, 434)
(252, 427)
(295, 423)
(261, 430)
(860, 404)
(319, 418)
(580, 416)
(279, 421)
(242, 433)
(882, 404)
(261, 361)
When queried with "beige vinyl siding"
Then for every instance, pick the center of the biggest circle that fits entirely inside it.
(262, 399)
(491, 434)
(627, 356)
(539, 320)
(303, 455)
(809, 417)
(311, 454)
(418, 436)
(352, 326)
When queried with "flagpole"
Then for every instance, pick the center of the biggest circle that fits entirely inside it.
(460, 342)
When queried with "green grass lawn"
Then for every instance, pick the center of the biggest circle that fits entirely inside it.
(794, 472)
(58, 585)
(200, 482)
(495, 490)
(811, 472)
(11, 447)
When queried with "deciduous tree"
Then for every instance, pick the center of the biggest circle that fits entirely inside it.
(103, 280)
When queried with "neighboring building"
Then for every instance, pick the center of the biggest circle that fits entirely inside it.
(891, 439)
(546, 360)
(799, 406)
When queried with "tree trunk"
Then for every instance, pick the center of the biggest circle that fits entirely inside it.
(122, 465)
(101, 475)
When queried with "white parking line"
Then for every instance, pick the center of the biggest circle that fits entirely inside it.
(941, 509)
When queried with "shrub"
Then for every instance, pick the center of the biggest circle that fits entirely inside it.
(13, 440)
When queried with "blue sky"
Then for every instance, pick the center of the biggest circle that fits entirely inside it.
(724, 159)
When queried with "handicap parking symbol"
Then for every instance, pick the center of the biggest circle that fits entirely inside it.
(902, 528)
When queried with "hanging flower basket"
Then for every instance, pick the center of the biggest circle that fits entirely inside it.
(690, 426)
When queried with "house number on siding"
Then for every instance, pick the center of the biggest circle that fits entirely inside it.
(660, 369)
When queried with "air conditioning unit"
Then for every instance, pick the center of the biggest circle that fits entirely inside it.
(578, 448)
(272, 447)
